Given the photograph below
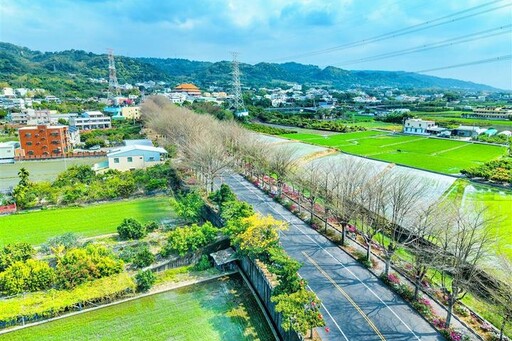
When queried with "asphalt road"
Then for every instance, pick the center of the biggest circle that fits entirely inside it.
(355, 304)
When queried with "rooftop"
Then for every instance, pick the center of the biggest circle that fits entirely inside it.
(136, 147)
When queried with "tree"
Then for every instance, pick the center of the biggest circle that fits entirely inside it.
(403, 198)
(464, 244)
(426, 226)
(260, 236)
(300, 310)
(143, 258)
(311, 178)
(371, 202)
(145, 280)
(131, 229)
(21, 193)
(286, 270)
(188, 207)
(349, 177)
(224, 194)
(281, 162)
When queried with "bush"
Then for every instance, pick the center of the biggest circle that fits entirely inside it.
(12, 253)
(143, 258)
(152, 226)
(203, 264)
(188, 207)
(67, 240)
(145, 280)
(224, 194)
(189, 238)
(33, 275)
(81, 265)
(131, 229)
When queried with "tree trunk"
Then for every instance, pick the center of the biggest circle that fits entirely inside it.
(368, 250)
(451, 303)
(389, 254)
(326, 217)
(417, 283)
(298, 201)
(312, 211)
(343, 232)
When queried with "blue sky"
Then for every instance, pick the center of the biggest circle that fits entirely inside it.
(270, 30)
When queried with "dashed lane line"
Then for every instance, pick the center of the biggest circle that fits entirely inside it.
(349, 299)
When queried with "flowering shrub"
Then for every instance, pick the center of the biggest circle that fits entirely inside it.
(393, 279)
(486, 327)
(439, 322)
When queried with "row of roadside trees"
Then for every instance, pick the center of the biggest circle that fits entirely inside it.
(388, 208)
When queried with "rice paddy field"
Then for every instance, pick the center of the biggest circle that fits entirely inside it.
(38, 226)
(222, 309)
(444, 156)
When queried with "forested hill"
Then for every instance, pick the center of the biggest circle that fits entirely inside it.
(68, 71)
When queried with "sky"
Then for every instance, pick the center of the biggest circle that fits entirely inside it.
(320, 32)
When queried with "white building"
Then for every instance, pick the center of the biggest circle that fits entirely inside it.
(7, 151)
(132, 157)
(91, 120)
(418, 126)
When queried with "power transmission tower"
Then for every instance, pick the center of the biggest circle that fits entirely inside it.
(113, 86)
(237, 100)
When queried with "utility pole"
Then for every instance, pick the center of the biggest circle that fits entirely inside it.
(113, 86)
(237, 99)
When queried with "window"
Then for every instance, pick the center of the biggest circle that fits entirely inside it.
(151, 158)
(130, 159)
(28, 135)
(29, 143)
(116, 160)
(30, 152)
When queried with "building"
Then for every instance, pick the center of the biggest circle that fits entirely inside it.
(90, 120)
(418, 126)
(467, 131)
(189, 89)
(7, 151)
(130, 113)
(132, 157)
(44, 141)
(490, 113)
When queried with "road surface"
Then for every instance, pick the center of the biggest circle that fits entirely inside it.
(355, 304)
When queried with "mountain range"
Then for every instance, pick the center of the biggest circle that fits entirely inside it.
(68, 71)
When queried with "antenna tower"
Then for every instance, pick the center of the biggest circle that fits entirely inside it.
(237, 100)
(113, 86)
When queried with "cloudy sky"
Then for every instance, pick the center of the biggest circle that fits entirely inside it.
(320, 32)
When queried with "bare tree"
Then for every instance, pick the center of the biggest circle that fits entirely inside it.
(465, 244)
(281, 161)
(349, 178)
(403, 199)
(500, 291)
(311, 178)
(426, 226)
(371, 201)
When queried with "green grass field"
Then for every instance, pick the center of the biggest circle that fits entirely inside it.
(445, 156)
(36, 227)
(222, 309)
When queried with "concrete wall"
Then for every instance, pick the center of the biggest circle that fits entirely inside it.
(263, 289)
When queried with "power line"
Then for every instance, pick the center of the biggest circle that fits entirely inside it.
(407, 30)
(482, 61)
(448, 42)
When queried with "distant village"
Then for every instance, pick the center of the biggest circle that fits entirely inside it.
(45, 133)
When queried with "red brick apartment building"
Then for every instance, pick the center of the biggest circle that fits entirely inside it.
(44, 141)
